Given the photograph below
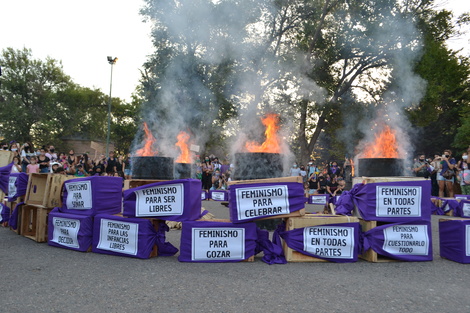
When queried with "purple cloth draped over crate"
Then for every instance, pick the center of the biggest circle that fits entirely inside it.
(182, 196)
(4, 213)
(463, 209)
(453, 240)
(131, 237)
(21, 184)
(462, 197)
(165, 248)
(412, 239)
(217, 241)
(92, 195)
(319, 199)
(449, 205)
(13, 222)
(295, 239)
(4, 175)
(393, 201)
(69, 231)
(218, 195)
(436, 209)
(204, 195)
(345, 204)
(249, 202)
(272, 250)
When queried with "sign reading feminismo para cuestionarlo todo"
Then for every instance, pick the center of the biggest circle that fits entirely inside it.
(79, 195)
(398, 201)
(330, 241)
(210, 244)
(406, 239)
(255, 202)
(162, 200)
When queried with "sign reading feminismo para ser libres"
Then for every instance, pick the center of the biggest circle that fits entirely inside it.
(162, 200)
(262, 201)
(397, 201)
(79, 195)
(218, 244)
(330, 241)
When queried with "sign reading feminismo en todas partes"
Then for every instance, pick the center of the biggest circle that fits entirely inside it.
(334, 242)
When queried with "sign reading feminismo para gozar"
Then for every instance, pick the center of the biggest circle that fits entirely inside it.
(253, 201)
(395, 201)
(177, 200)
(217, 241)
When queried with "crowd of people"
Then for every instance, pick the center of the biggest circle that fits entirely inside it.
(446, 173)
(46, 159)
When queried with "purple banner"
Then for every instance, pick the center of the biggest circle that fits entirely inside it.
(92, 195)
(319, 199)
(177, 200)
(249, 202)
(437, 210)
(454, 240)
(449, 205)
(219, 195)
(463, 209)
(4, 175)
(406, 241)
(333, 242)
(69, 231)
(217, 241)
(14, 216)
(17, 185)
(131, 237)
(394, 201)
(4, 213)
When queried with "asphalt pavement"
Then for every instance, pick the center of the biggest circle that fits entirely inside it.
(36, 277)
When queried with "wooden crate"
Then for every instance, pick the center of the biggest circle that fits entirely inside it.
(370, 255)
(6, 157)
(307, 221)
(34, 222)
(370, 180)
(53, 191)
(134, 183)
(36, 191)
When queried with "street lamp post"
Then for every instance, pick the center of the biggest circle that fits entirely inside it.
(111, 61)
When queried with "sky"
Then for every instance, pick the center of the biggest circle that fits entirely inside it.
(81, 34)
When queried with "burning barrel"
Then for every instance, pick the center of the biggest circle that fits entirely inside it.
(257, 165)
(152, 167)
(182, 170)
(381, 167)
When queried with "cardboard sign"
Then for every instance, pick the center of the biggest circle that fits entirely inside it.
(118, 236)
(161, 200)
(66, 231)
(319, 199)
(79, 195)
(406, 240)
(218, 244)
(219, 195)
(398, 201)
(330, 241)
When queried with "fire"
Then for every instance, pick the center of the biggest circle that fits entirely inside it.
(271, 144)
(182, 143)
(149, 140)
(384, 146)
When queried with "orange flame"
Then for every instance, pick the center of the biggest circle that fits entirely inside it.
(384, 146)
(182, 143)
(149, 140)
(271, 144)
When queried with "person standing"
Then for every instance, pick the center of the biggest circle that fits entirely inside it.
(446, 184)
(464, 173)
(27, 151)
(111, 164)
(420, 167)
(207, 170)
(295, 170)
(43, 161)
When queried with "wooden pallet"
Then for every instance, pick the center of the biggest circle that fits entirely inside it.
(53, 191)
(370, 255)
(307, 221)
(36, 191)
(34, 222)
(134, 183)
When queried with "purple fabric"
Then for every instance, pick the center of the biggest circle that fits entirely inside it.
(450, 204)
(211, 242)
(4, 213)
(218, 195)
(224, 168)
(14, 216)
(131, 237)
(406, 241)
(164, 248)
(394, 201)
(436, 209)
(463, 209)
(92, 195)
(249, 202)
(176, 200)
(272, 250)
(454, 236)
(69, 231)
(4, 175)
(345, 204)
(462, 197)
(319, 199)
(204, 195)
(333, 242)
(21, 184)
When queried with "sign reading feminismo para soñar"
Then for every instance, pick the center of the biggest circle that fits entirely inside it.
(79, 195)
